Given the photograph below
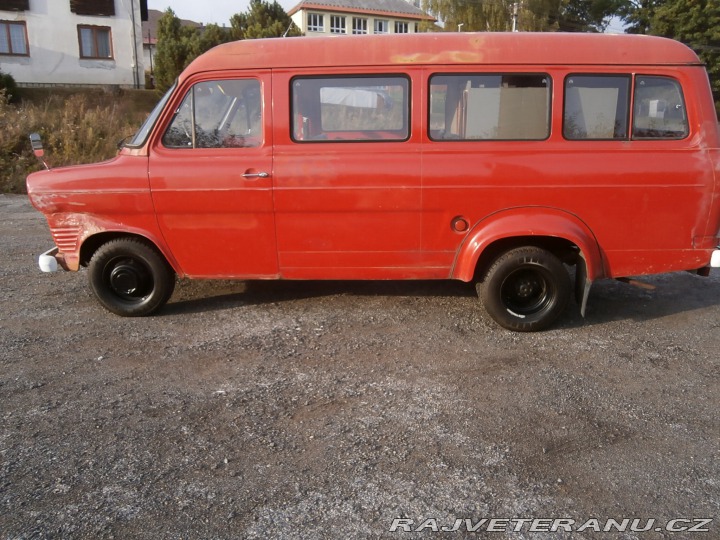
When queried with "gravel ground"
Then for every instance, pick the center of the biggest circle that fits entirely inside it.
(329, 410)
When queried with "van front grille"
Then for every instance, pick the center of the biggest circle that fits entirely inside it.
(65, 238)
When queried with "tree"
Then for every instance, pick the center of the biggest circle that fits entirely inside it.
(209, 37)
(532, 15)
(693, 22)
(638, 15)
(262, 20)
(587, 15)
(489, 15)
(179, 45)
(697, 24)
(173, 50)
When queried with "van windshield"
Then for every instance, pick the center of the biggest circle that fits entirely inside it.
(141, 136)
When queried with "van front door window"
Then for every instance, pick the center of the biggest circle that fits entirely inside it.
(218, 114)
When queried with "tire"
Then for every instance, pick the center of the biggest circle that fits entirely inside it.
(130, 277)
(525, 289)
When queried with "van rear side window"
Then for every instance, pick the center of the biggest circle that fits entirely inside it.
(659, 110)
(471, 106)
(341, 109)
(597, 107)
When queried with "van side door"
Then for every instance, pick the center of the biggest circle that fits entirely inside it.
(347, 192)
(211, 177)
(484, 150)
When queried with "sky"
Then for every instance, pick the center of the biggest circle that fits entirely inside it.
(209, 11)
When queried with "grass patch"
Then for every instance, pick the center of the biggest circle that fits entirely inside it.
(77, 126)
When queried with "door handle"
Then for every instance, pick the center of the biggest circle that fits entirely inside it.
(256, 175)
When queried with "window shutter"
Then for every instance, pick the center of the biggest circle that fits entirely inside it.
(143, 10)
(15, 5)
(93, 7)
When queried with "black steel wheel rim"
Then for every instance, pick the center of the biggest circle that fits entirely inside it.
(129, 279)
(526, 291)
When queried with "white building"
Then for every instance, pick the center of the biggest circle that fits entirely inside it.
(73, 42)
(342, 17)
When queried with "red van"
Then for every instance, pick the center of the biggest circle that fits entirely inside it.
(494, 158)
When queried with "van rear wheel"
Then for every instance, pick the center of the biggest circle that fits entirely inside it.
(130, 277)
(525, 289)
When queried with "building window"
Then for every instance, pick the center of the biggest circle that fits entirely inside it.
(486, 107)
(417, 28)
(359, 25)
(95, 42)
(401, 27)
(316, 22)
(337, 24)
(381, 26)
(15, 5)
(103, 8)
(13, 38)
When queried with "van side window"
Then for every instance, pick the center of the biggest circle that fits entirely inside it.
(471, 106)
(659, 109)
(596, 107)
(218, 114)
(341, 109)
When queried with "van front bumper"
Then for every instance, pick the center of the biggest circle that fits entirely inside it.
(715, 259)
(51, 261)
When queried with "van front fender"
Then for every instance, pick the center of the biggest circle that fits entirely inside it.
(78, 235)
(534, 223)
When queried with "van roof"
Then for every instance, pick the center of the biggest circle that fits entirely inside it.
(450, 48)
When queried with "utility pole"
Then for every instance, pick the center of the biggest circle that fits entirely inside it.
(516, 7)
(136, 68)
(150, 48)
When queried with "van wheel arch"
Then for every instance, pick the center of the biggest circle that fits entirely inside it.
(91, 244)
(565, 250)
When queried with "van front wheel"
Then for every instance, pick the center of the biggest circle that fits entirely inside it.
(525, 289)
(130, 277)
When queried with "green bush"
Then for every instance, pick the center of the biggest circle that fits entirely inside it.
(76, 127)
(7, 83)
